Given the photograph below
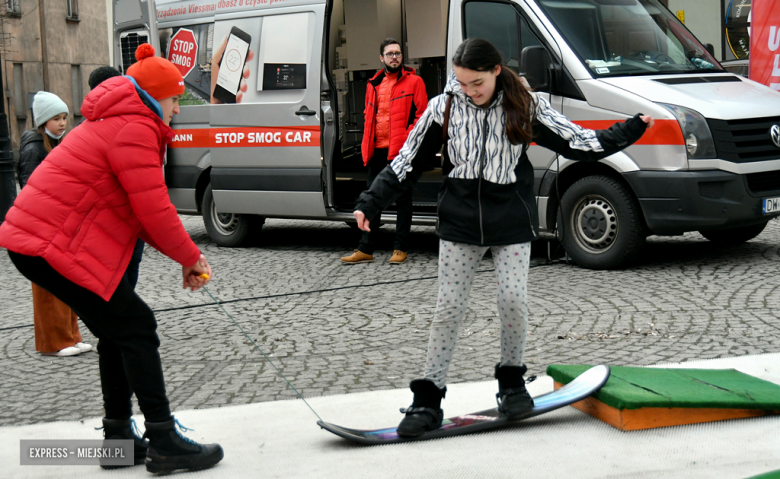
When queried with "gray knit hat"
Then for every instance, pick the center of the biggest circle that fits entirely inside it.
(46, 106)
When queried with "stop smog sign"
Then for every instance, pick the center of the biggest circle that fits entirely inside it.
(183, 50)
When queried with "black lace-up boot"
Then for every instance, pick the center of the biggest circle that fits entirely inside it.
(169, 450)
(125, 429)
(425, 413)
(513, 399)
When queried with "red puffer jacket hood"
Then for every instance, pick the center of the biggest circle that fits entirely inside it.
(84, 207)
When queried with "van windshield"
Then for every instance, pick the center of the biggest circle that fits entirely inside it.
(628, 37)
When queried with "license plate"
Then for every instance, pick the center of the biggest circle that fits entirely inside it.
(771, 205)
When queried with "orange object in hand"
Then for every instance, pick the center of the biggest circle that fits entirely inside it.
(204, 276)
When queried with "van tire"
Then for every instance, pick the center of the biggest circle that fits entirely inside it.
(603, 227)
(734, 236)
(228, 229)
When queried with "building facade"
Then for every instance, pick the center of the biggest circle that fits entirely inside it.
(50, 45)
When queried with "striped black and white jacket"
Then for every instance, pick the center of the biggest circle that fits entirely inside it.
(488, 199)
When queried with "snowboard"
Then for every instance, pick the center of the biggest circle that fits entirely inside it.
(581, 387)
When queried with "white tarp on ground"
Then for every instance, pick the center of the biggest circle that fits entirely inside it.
(281, 439)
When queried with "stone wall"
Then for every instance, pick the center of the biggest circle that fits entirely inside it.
(73, 48)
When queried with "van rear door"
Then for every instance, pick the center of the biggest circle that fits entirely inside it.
(265, 148)
(134, 24)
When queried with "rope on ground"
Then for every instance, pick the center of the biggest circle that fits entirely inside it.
(315, 291)
(263, 353)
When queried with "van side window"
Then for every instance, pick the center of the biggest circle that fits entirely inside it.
(501, 25)
(197, 82)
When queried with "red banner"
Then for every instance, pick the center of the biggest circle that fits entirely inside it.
(765, 43)
(243, 137)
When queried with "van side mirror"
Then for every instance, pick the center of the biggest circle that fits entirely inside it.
(535, 64)
(710, 49)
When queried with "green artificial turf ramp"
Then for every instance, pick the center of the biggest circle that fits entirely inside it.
(768, 475)
(634, 388)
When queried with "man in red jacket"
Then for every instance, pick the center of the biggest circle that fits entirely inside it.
(395, 100)
(72, 231)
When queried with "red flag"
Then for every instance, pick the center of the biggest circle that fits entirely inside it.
(765, 43)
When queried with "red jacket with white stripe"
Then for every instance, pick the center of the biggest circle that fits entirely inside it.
(408, 101)
(84, 207)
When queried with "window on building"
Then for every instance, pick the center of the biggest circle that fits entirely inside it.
(76, 89)
(12, 7)
(19, 99)
(73, 9)
(19, 91)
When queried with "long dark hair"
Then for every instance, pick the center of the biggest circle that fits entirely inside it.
(480, 55)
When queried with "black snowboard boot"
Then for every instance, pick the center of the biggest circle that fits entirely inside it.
(125, 429)
(169, 450)
(425, 413)
(513, 399)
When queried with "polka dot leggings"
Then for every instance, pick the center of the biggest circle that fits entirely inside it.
(458, 263)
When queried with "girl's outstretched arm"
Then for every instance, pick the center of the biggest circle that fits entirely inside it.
(555, 132)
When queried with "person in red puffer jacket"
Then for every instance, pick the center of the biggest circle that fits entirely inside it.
(72, 231)
(395, 100)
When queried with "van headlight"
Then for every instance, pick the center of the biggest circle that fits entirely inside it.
(696, 132)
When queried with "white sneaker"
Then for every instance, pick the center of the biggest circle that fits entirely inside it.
(71, 351)
(84, 347)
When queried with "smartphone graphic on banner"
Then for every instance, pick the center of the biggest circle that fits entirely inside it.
(231, 65)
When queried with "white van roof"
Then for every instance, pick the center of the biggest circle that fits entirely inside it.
(171, 10)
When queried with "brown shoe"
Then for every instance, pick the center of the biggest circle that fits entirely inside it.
(398, 257)
(358, 257)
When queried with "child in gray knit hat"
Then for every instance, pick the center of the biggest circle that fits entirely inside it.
(47, 106)
(50, 118)
(56, 325)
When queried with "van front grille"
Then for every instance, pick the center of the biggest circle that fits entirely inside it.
(764, 181)
(743, 141)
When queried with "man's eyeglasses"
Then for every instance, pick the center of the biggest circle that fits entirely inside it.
(394, 54)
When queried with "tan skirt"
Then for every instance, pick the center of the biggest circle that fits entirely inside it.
(56, 325)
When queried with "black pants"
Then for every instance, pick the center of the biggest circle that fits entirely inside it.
(131, 275)
(403, 204)
(128, 342)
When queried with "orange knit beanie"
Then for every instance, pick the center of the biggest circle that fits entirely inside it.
(156, 75)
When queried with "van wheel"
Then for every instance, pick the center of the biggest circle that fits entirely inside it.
(734, 236)
(228, 229)
(603, 227)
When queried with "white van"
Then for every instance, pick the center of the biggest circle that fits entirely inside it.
(282, 137)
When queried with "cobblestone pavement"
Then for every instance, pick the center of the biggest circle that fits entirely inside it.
(335, 329)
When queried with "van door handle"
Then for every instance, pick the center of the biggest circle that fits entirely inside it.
(305, 111)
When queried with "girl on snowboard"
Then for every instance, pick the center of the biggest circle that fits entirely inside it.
(486, 201)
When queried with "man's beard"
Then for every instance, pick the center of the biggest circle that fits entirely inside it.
(391, 69)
